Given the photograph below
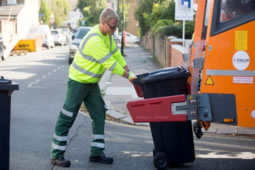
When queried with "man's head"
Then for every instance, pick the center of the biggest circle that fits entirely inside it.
(108, 21)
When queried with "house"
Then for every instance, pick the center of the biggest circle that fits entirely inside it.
(132, 25)
(73, 4)
(16, 19)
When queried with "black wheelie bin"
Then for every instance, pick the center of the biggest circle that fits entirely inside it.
(173, 141)
(6, 89)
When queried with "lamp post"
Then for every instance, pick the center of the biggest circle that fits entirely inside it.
(123, 25)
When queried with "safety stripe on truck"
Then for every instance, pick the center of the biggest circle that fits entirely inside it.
(230, 73)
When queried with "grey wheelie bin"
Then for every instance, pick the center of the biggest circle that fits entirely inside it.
(6, 89)
(173, 141)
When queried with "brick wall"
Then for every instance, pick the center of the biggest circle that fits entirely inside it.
(176, 56)
(148, 43)
(169, 52)
(171, 42)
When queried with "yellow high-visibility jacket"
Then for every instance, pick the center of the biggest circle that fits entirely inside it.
(96, 53)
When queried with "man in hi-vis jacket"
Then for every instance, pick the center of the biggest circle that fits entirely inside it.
(96, 53)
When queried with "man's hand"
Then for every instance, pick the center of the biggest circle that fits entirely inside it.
(126, 68)
(131, 76)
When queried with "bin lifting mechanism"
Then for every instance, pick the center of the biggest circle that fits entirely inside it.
(174, 109)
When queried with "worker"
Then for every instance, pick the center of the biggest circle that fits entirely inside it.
(232, 9)
(96, 53)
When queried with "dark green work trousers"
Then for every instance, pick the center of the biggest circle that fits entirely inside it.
(76, 94)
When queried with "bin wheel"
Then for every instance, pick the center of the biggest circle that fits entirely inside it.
(154, 152)
(160, 160)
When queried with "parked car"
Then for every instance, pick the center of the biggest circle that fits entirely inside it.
(67, 32)
(130, 38)
(59, 37)
(44, 31)
(76, 39)
(2, 48)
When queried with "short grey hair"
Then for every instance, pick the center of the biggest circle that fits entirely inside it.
(107, 14)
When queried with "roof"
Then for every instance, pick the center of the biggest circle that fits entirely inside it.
(12, 10)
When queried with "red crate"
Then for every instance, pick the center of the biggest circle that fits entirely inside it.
(156, 109)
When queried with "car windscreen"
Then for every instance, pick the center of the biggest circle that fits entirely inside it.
(81, 33)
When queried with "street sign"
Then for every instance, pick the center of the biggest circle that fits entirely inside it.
(184, 10)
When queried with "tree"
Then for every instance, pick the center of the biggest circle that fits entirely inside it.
(61, 9)
(123, 17)
(142, 14)
(91, 10)
(150, 11)
(44, 12)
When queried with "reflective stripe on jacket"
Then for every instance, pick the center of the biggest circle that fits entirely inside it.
(96, 53)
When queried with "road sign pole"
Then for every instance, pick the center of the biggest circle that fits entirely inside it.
(183, 33)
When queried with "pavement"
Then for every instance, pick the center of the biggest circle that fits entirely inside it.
(117, 91)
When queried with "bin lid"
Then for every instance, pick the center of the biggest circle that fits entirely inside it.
(137, 81)
(165, 74)
(167, 69)
(6, 84)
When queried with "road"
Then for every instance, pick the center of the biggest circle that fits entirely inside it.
(42, 78)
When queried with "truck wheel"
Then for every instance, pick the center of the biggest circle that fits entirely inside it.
(160, 160)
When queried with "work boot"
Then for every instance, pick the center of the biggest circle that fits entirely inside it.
(62, 162)
(101, 159)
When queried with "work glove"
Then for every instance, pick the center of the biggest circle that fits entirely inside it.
(131, 76)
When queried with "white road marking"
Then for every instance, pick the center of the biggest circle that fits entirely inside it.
(33, 83)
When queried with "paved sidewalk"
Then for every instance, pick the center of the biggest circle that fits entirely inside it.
(118, 91)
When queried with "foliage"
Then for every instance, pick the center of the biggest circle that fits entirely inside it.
(91, 10)
(176, 30)
(44, 12)
(122, 10)
(189, 29)
(162, 10)
(150, 11)
(159, 24)
(158, 16)
(60, 10)
(142, 14)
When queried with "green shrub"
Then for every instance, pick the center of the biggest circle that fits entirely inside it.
(150, 11)
(159, 24)
(157, 16)
(170, 30)
(176, 30)
(189, 29)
